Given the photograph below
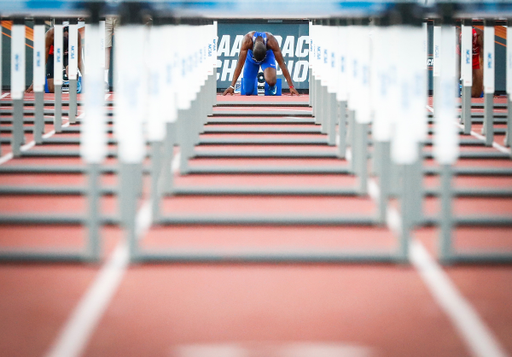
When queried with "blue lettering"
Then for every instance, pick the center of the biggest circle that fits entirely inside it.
(468, 56)
(489, 61)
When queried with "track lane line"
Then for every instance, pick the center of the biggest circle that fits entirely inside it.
(77, 331)
(479, 136)
(29, 145)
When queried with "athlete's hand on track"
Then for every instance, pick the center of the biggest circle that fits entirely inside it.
(229, 90)
(293, 91)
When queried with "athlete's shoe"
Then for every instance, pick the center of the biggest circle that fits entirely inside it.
(272, 89)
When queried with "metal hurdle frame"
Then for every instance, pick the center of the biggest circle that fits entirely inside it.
(447, 220)
(187, 123)
(93, 220)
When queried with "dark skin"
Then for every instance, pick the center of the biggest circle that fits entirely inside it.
(269, 73)
(478, 74)
(48, 43)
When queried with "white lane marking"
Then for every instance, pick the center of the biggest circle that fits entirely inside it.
(481, 137)
(470, 326)
(29, 145)
(107, 96)
(4, 95)
(79, 328)
(5, 158)
(305, 349)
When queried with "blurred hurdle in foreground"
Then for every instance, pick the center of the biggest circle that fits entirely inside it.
(93, 140)
(369, 97)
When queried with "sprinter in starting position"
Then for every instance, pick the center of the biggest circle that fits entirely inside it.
(260, 49)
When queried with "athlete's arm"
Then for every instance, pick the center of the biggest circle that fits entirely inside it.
(246, 45)
(80, 62)
(480, 42)
(48, 43)
(274, 46)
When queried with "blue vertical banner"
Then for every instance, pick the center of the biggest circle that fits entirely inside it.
(293, 38)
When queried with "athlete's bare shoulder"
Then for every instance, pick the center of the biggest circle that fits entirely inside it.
(247, 40)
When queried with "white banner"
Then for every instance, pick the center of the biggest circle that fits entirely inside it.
(509, 64)
(73, 52)
(466, 56)
(156, 100)
(446, 139)
(130, 108)
(93, 141)
(489, 59)
(17, 61)
(102, 42)
(58, 55)
(39, 58)
(437, 51)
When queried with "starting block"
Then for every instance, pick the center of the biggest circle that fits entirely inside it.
(252, 88)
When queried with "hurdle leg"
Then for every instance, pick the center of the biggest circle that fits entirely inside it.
(333, 111)
(72, 101)
(128, 195)
(406, 214)
(322, 109)
(416, 186)
(351, 136)
(156, 170)
(445, 218)
(362, 162)
(508, 135)
(168, 154)
(342, 127)
(466, 109)
(17, 127)
(39, 117)
(94, 213)
(384, 179)
(488, 128)
(57, 120)
(183, 124)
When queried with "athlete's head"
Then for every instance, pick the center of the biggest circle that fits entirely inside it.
(259, 50)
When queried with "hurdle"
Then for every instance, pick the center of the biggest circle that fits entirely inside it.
(93, 151)
(144, 255)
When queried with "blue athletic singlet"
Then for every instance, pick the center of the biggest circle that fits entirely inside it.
(251, 66)
(259, 34)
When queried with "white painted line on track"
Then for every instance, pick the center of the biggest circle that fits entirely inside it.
(79, 328)
(107, 96)
(293, 349)
(4, 95)
(478, 337)
(481, 137)
(5, 158)
(471, 328)
(29, 145)
(82, 322)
